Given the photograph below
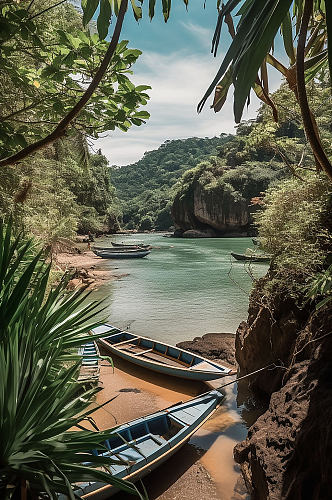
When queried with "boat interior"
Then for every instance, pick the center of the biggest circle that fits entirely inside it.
(156, 351)
(145, 439)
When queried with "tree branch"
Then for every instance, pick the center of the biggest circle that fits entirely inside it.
(65, 122)
(309, 125)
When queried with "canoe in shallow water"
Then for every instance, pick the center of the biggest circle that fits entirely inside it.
(145, 443)
(251, 258)
(157, 356)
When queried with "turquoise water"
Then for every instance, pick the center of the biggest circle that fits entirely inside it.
(182, 289)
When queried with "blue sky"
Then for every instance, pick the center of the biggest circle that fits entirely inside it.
(179, 66)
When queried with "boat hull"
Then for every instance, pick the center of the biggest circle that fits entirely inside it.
(124, 254)
(128, 245)
(179, 363)
(250, 258)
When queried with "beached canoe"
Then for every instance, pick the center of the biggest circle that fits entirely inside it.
(90, 367)
(157, 356)
(119, 253)
(251, 258)
(145, 443)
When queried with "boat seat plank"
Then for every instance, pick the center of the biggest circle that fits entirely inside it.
(161, 359)
(142, 352)
(125, 342)
(203, 365)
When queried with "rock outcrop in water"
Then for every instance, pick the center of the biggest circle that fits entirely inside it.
(210, 214)
(287, 454)
(214, 200)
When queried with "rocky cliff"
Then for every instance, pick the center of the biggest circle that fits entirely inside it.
(287, 453)
(212, 212)
(215, 200)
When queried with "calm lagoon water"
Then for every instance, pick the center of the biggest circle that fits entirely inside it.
(182, 289)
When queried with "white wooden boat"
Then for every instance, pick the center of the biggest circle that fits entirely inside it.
(90, 367)
(158, 356)
(147, 442)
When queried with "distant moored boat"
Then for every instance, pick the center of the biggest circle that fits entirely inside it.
(120, 253)
(130, 245)
(251, 258)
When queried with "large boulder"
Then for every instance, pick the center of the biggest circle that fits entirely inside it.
(213, 213)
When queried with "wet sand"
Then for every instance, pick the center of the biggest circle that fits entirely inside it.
(204, 468)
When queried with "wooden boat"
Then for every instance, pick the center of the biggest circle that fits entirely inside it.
(147, 442)
(90, 367)
(157, 356)
(120, 253)
(251, 258)
(130, 245)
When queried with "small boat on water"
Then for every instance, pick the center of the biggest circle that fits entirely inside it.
(251, 257)
(158, 356)
(147, 442)
(90, 367)
(130, 245)
(120, 253)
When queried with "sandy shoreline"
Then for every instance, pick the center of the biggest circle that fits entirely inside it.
(88, 269)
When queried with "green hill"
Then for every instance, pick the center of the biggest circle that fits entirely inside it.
(145, 188)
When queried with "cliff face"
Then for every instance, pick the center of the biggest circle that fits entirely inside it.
(287, 454)
(214, 212)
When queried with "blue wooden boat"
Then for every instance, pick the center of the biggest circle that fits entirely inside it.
(90, 367)
(158, 356)
(120, 253)
(147, 442)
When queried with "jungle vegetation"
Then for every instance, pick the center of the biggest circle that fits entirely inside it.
(59, 82)
(145, 188)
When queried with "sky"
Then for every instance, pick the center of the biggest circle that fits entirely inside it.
(177, 63)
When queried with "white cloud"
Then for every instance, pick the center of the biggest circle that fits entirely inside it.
(178, 82)
(203, 35)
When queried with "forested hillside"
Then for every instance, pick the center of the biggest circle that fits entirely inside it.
(61, 190)
(145, 187)
(215, 197)
(46, 63)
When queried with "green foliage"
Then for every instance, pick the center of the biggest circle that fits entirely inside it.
(239, 183)
(46, 61)
(54, 194)
(41, 403)
(108, 8)
(252, 47)
(146, 187)
(293, 227)
(321, 288)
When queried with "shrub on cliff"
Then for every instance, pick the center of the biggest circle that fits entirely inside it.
(294, 226)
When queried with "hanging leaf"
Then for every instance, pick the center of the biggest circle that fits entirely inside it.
(104, 18)
(287, 36)
(89, 8)
(328, 9)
